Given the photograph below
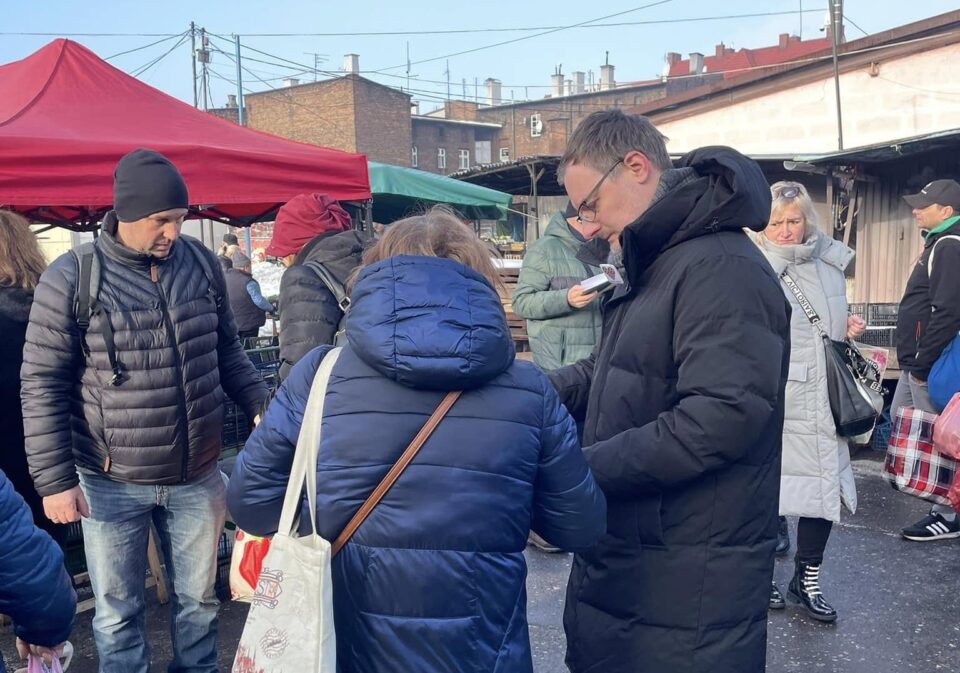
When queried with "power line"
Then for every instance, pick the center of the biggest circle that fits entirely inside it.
(146, 46)
(22, 34)
(851, 22)
(142, 70)
(526, 37)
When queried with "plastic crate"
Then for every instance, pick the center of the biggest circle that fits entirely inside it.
(882, 315)
(266, 360)
(251, 343)
(222, 584)
(236, 427)
(884, 337)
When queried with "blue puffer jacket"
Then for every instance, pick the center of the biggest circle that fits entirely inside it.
(35, 589)
(434, 580)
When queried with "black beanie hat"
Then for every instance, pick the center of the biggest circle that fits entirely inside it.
(144, 183)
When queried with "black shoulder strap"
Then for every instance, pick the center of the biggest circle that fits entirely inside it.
(336, 287)
(87, 303)
(215, 279)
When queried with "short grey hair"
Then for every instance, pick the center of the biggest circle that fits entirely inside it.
(605, 137)
(802, 200)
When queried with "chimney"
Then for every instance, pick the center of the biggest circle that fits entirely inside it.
(721, 50)
(696, 63)
(415, 108)
(784, 40)
(579, 82)
(673, 58)
(567, 87)
(493, 91)
(828, 28)
(607, 81)
(231, 100)
(351, 64)
(291, 81)
(556, 82)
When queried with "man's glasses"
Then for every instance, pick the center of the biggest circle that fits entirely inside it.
(587, 213)
(788, 191)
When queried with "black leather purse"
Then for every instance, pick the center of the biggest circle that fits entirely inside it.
(853, 382)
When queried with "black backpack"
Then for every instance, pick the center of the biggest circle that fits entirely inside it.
(87, 291)
(339, 293)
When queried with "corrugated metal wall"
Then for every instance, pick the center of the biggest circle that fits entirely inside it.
(888, 242)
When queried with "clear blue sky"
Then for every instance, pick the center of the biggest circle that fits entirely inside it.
(523, 66)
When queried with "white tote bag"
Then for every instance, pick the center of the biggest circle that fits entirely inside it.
(289, 628)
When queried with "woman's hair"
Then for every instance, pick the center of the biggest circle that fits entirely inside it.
(436, 233)
(787, 193)
(21, 260)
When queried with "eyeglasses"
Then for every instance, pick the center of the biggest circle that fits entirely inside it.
(790, 190)
(587, 213)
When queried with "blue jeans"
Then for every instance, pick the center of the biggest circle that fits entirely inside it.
(189, 519)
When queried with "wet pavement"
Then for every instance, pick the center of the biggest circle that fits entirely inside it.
(898, 601)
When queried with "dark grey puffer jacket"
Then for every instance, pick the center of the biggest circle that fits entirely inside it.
(177, 342)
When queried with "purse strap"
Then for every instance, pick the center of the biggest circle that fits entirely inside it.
(805, 304)
(405, 459)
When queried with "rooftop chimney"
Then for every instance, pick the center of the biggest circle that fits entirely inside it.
(231, 100)
(567, 87)
(493, 91)
(291, 81)
(784, 40)
(556, 82)
(351, 64)
(673, 58)
(696, 63)
(415, 108)
(607, 81)
(721, 50)
(579, 85)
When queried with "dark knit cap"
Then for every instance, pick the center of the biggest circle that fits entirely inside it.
(230, 239)
(144, 183)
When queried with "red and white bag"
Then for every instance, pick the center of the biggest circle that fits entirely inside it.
(946, 431)
(913, 464)
(246, 562)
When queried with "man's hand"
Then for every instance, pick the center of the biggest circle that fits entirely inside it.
(66, 507)
(48, 654)
(577, 298)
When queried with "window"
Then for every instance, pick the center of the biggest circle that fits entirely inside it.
(414, 161)
(464, 159)
(441, 133)
(504, 154)
(536, 126)
(481, 151)
(441, 158)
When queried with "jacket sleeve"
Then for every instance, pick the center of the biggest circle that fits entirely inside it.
(256, 296)
(35, 589)
(259, 478)
(51, 360)
(944, 321)
(533, 299)
(569, 509)
(573, 384)
(239, 378)
(731, 343)
(309, 315)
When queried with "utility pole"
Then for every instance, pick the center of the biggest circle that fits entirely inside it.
(242, 118)
(408, 65)
(464, 84)
(476, 90)
(193, 57)
(203, 55)
(836, 27)
(447, 73)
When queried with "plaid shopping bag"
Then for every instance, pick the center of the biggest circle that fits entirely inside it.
(913, 465)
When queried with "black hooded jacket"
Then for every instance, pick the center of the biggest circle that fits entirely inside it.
(309, 314)
(683, 407)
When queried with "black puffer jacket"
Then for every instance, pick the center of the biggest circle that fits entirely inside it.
(177, 342)
(309, 314)
(684, 408)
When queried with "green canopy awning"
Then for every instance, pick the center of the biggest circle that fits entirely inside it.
(399, 192)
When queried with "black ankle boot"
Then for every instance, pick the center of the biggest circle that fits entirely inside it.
(805, 589)
(783, 537)
(776, 598)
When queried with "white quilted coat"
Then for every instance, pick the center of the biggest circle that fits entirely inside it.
(816, 475)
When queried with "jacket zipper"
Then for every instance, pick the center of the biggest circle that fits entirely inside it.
(181, 394)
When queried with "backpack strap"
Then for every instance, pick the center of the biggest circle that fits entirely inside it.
(216, 280)
(336, 288)
(87, 304)
(934, 250)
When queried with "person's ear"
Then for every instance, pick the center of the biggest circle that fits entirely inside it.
(637, 166)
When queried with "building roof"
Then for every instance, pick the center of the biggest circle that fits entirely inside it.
(460, 122)
(733, 63)
(888, 150)
(327, 82)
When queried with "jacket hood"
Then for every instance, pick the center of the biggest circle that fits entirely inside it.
(428, 322)
(558, 228)
(717, 189)
(818, 246)
(15, 303)
(340, 253)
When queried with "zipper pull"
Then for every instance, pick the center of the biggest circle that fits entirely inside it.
(153, 273)
(106, 465)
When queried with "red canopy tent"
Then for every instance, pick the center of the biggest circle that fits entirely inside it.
(67, 116)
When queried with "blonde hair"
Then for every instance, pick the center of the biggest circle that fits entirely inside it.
(21, 260)
(802, 200)
(436, 233)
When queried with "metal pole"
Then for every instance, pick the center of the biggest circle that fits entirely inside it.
(193, 55)
(241, 116)
(836, 21)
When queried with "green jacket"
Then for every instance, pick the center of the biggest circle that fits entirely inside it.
(559, 334)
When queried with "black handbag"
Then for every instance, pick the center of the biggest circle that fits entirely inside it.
(853, 382)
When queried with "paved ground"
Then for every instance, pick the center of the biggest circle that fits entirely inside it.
(898, 601)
